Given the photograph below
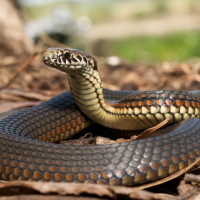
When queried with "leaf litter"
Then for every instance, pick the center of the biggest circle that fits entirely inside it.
(174, 75)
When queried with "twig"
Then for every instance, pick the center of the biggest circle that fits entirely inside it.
(26, 64)
(150, 131)
(168, 178)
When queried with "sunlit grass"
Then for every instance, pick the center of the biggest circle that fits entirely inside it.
(177, 46)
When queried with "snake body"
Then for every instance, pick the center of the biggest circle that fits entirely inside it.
(27, 138)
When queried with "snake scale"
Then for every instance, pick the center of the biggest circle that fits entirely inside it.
(27, 138)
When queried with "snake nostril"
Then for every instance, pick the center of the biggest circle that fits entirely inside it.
(45, 56)
(53, 56)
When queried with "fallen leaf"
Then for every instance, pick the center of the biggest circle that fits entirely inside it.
(77, 189)
(103, 140)
(150, 132)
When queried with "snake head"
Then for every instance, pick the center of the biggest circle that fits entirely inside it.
(67, 60)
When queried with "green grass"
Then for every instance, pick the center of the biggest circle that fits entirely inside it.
(160, 9)
(177, 46)
(102, 14)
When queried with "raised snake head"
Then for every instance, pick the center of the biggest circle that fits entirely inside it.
(69, 60)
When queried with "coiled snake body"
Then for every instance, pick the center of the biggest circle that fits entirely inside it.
(26, 138)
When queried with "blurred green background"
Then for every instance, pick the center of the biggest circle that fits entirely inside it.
(136, 30)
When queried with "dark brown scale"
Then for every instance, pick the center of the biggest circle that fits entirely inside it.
(141, 103)
(179, 102)
(85, 59)
(134, 103)
(79, 57)
(60, 61)
(164, 96)
(159, 102)
(74, 59)
(173, 96)
(187, 103)
(149, 102)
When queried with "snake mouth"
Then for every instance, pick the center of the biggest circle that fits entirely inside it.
(63, 61)
(62, 67)
(68, 59)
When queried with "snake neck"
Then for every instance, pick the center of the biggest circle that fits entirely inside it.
(133, 112)
(87, 91)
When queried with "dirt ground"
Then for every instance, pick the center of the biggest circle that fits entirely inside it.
(115, 73)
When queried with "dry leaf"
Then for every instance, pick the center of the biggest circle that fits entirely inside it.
(150, 132)
(78, 189)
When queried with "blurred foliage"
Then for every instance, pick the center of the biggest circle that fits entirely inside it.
(77, 9)
(177, 46)
(104, 11)
(160, 8)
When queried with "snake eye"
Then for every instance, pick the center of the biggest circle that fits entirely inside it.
(66, 57)
(66, 54)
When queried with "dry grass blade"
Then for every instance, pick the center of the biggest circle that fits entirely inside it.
(24, 95)
(4, 107)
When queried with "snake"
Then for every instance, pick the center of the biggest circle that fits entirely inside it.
(28, 138)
